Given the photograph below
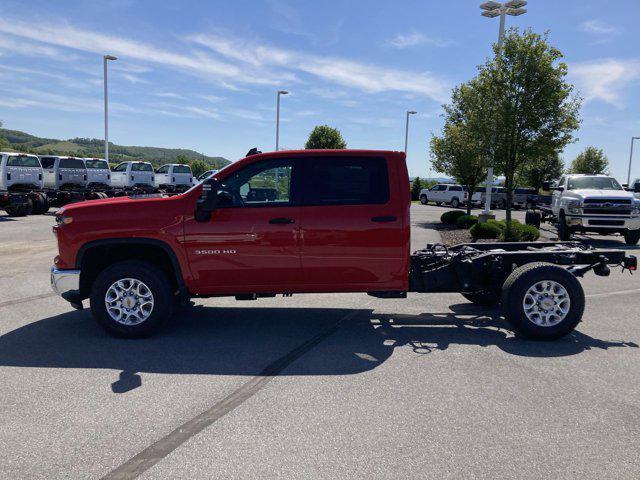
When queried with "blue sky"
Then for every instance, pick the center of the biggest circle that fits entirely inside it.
(203, 75)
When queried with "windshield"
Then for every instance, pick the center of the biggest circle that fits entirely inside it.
(22, 161)
(596, 183)
(97, 164)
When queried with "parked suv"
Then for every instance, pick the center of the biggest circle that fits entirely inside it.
(525, 198)
(454, 195)
(595, 203)
(498, 197)
(133, 174)
(174, 176)
(203, 176)
(98, 172)
(20, 171)
(62, 173)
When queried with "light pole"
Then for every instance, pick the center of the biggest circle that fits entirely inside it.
(493, 9)
(105, 59)
(280, 92)
(630, 158)
(406, 130)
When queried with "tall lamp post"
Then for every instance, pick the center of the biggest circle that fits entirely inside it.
(493, 9)
(280, 92)
(406, 130)
(630, 158)
(105, 59)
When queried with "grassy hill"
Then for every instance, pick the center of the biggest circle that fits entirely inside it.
(93, 147)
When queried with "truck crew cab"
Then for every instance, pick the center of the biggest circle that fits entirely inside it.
(174, 177)
(98, 173)
(300, 222)
(138, 175)
(64, 173)
(21, 184)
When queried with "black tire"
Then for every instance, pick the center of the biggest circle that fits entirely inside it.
(438, 203)
(564, 233)
(423, 199)
(515, 289)
(483, 298)
(455, 203)
(20, 210)
(156, 281)
(532, 218)
(631, 237)
(40, 203)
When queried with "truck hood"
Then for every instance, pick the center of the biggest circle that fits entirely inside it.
(594, 193)
(118, 204)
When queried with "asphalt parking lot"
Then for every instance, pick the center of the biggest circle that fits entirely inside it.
(315, 386)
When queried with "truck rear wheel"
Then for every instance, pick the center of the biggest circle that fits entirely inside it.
(423, 199)
(131, 299)
(483, 298)
(20, 210)
(631, 237)
(542, 301)
(532, 218)
(40, 203)
(455, 203)
(564, 233)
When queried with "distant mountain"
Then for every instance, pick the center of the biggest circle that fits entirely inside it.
(93, 147)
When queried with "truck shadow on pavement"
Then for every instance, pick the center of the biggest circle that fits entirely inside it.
(242, 341)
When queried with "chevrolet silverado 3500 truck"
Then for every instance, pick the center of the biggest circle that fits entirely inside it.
(301, 222)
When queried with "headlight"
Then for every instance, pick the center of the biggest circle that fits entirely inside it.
(574, 206)
(63, 219)
(636, 207)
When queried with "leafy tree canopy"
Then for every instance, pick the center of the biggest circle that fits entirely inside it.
(591, 161)
(325, 137)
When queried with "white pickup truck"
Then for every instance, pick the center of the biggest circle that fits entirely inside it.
(133, 175)
(98, 173)
(174, 177)
(595, 203)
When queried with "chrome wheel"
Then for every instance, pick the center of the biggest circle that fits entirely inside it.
(129, 301)
(546, 303)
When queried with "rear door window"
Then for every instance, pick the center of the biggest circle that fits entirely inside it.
(346, 181)
(121, 168)
(47, 162)
(163, 169)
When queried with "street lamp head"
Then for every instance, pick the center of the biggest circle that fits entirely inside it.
(514, 12)
(411, 112)
(490, 6)
(283, 92)
(490, 13)
(110, 57)
(515, 4)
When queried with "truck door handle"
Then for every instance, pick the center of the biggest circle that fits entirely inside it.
(281, 220)
(384, 219)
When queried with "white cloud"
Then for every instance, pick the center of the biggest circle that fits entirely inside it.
(170, 95)
(63, 35)
(133, 78)
(349, 73)
(600, 31)
(10, 46)
(605, 79)
(413, 39)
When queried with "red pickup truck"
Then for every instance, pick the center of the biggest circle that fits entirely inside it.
(300, 222)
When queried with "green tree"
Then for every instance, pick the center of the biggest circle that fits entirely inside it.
(523, 108)
(458, 154)
(592, 161)
(535, 171)
(416, 186)
(325, 137)
(198, 167)
(182, 159)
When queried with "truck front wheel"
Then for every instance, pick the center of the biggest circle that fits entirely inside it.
(423, 199)
(631, 237)
(564, 233)
(542, 301)
(131, 299)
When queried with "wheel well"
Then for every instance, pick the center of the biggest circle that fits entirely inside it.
(97, 258)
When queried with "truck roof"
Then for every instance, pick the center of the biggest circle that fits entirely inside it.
(326, 153)
(18, 153)
(586, 175)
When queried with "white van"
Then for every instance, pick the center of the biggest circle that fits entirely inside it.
(98, 173)
(20, 171)
(174, 175)
(133, 174)
(63, 172)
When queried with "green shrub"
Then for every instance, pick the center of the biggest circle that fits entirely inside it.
(466, 221)
(451, 217)
(488, 229)
(520, 233)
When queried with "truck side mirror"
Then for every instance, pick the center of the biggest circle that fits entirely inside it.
(559, 189)
(625, 186)
(207, 201)
(546, 186)
(636, 187)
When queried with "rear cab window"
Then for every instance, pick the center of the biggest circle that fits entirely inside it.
(97, 164)
(71, 163)
(181, 169)
(141, 167)
(346, 181)
(22, 161)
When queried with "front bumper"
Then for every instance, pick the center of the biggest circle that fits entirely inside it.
(66, 283)
(612, 222)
